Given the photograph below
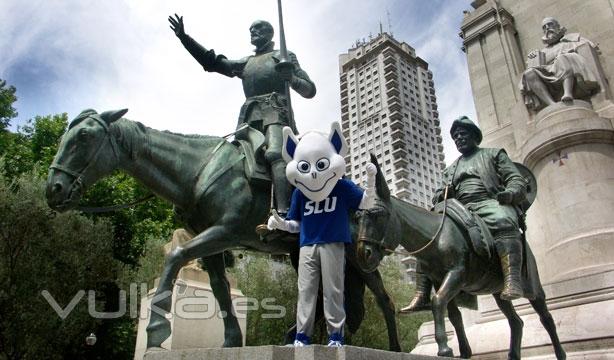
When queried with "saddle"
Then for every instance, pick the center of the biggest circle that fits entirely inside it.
(251, 144)
(481, 240)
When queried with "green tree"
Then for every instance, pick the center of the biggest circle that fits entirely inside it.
(61, 254)
(33, 145)
(7, 98)
(261, 278)
(27, 154)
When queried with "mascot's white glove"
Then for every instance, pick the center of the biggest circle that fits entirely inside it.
(368, 198)
(276, 222)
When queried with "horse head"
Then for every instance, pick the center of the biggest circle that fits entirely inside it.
(373, 225)
(86, 153)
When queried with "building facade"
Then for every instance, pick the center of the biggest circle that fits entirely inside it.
(389, 108)
(569, 147)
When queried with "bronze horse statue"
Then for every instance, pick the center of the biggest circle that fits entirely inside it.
(452, 265)
(204, 178)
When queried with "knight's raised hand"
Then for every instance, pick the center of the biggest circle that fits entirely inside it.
(177, 25)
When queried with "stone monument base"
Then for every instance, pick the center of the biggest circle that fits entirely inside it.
(195, 317)
(313, 352)
(580, 307)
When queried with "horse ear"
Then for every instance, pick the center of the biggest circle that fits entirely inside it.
(381, 187)
(337, 140)
(113, 115)
(290, 142)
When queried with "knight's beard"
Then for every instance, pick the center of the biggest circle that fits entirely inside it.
(553, 36)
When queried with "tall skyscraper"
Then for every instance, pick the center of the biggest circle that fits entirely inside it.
(389, 108)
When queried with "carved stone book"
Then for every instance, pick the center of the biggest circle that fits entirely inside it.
(539, 60)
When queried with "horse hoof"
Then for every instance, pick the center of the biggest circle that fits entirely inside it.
(157, 333)
(233, 341)
(447, 352)
(154, 349)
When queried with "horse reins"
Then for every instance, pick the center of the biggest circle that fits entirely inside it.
(445, 203)
(79, 175)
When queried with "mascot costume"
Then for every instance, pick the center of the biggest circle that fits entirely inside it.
(319, 210)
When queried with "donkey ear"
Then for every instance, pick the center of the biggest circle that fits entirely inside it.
(290, 142)
(337, 140)
(381, 186)
(113, 115)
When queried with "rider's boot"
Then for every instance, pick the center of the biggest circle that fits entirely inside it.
(282, 188)
(282, 191)
(422, 298)
(509, 248)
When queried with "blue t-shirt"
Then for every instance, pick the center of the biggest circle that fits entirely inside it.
(326, 221)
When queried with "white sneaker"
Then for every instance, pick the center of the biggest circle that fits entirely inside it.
(298, 343)
(334, 343)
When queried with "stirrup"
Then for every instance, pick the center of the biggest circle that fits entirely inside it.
(420, 302)
(262, 230)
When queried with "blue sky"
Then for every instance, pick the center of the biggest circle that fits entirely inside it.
(69, 55)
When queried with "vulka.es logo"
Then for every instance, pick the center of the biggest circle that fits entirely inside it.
(199, 305)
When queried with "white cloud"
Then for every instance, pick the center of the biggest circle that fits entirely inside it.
(115, 54)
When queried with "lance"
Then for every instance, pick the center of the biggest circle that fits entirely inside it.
(285, 65)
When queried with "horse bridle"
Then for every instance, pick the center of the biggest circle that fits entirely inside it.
(379, 244)
(78, 176)
(390, 251)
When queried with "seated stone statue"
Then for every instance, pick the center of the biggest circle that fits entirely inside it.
(558, 72)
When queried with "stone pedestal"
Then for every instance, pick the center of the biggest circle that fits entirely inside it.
(581, 309)
(313, 352)
(570, 149)
(195, 320)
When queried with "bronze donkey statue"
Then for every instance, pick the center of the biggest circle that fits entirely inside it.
(450, 263)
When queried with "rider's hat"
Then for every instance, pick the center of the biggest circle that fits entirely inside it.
(466, 123)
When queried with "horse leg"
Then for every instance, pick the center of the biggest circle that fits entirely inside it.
(210, 241)
(221, 290)
(457, 321)
(516, 325)
(539, 304)
(450, 287)
(159, 328)
(354, 293)
(376, 285)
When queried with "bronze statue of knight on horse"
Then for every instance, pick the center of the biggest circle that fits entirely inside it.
(212, 183)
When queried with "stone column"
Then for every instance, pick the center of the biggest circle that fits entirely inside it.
(570, 149)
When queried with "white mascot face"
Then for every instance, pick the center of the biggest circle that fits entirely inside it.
(315, 163)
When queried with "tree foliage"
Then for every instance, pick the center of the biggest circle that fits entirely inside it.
(7, 98)
(59, 253)
(116, 243)
(261, 278)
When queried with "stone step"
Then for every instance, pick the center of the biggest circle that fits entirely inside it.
(311, 352)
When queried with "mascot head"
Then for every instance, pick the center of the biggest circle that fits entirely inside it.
(315, 162)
